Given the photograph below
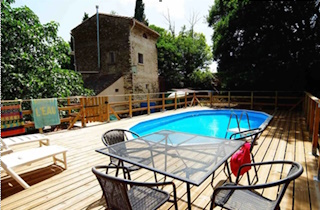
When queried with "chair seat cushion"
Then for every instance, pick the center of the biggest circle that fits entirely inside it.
(242, 199)
(147, 198)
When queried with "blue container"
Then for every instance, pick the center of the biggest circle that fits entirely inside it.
(145, 104)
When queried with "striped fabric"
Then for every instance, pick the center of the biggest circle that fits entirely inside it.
(11, 119)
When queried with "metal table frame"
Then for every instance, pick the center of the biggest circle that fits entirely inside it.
(164, 141)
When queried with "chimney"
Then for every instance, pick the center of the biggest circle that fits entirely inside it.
(98, 41)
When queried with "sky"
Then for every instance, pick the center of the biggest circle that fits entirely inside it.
(69, 13)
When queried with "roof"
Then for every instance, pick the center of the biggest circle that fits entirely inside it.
(134, 21)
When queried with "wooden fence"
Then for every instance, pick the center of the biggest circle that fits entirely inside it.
(312, 114)
(106, 108)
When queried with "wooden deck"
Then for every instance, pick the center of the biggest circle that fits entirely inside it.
(286, 137)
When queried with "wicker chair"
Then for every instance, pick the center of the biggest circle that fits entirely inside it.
(234, 196)
(115, 136)
(125, 194)
(252, 136)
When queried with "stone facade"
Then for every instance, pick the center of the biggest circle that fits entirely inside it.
(122, 40)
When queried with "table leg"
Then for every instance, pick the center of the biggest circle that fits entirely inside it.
(189, 196)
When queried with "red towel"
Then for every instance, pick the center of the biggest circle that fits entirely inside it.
(239, 158)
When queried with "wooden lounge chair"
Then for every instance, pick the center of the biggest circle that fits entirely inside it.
(26, 157)
(16, 140)
(235, 196)
(126, 194)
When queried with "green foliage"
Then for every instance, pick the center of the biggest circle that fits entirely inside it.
(112, 12)
(32, 55)
(203, 80)
(139, 12)
(85, 16)
(263, 45)
(180, 56)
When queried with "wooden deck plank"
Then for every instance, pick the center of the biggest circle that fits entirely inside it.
(276, 170)
(310, 167)
(301, 191)
(287, 200)
(285, 138)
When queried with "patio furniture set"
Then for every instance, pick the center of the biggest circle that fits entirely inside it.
(177, 155)
(168, 153)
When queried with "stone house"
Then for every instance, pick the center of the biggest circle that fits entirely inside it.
(120, 59)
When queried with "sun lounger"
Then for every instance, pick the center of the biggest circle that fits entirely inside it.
(15, 159)
(11, 141)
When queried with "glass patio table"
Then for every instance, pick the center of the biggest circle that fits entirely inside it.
(187, 157)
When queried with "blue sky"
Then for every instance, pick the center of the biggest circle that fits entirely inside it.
(69, 13)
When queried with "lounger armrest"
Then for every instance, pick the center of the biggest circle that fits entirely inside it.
(5, 152)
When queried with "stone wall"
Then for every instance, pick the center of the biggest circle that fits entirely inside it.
(145, 77)
(114, 38)
(125, 39)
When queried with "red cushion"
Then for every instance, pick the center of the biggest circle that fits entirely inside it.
(239, 158)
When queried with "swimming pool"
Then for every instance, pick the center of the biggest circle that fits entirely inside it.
(204, 122)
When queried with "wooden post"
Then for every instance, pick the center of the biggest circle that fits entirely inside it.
(101, 108)
(130, 105)
(312, 105)
(83, 109)
(251, 99)
(211, 99)
(276, 100)
(185, 100)
(308, 110)
(192, 101)
(175, 101)
(148, 103)
(229, 98)
(108, 108)
(318, 169)
(69, 110)
(304, 105)
(315, 137)
(163, 102)
(98, 108)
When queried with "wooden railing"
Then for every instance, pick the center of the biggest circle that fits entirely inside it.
(104, 108)
(312, 114)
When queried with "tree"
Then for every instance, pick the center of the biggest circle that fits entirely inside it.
(266, 44)
(139, 12)
(202, 79)
(85, 16)
(180, 56)
(32, 55)
(113, 12)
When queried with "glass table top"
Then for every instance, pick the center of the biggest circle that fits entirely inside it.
(187, 157)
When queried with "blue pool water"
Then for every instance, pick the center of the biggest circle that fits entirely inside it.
(205, 122)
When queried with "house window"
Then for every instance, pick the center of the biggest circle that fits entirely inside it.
(145, 35)
(140, 58)
(116, 90)
(112, 58)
